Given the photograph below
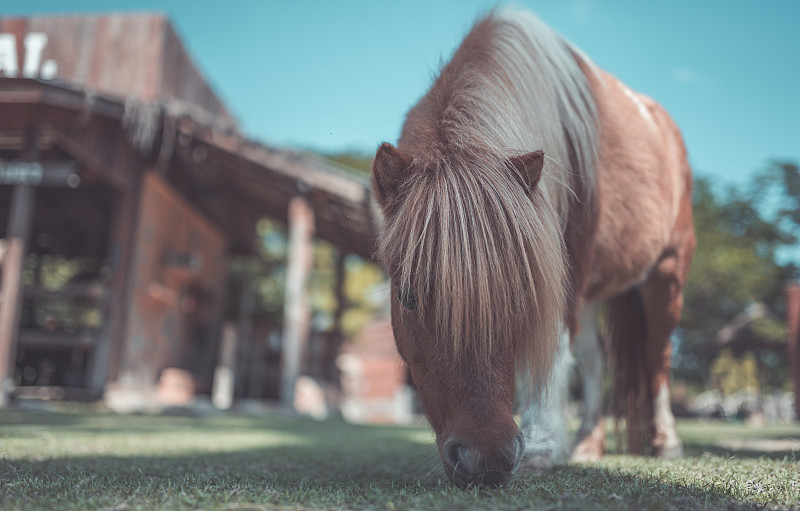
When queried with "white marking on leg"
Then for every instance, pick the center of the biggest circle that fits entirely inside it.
(590, 363)
(543, 421)
(667, 444)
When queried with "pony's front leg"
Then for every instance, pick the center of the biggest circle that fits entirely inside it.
(543, 414)
(590, 441)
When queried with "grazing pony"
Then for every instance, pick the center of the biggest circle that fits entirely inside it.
(528, 186)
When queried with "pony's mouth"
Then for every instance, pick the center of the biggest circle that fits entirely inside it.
(467, 467)
(489, 479)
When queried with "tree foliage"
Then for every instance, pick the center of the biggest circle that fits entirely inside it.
(265, 273)
(743, 236)
(354, 160)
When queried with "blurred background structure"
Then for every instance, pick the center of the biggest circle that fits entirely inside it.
(154, 255)
(127, 191)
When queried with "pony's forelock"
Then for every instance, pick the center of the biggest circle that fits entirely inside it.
(484, 259)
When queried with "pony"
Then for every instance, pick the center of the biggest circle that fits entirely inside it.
(529, 187)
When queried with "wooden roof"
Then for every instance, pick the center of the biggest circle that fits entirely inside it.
(126, 55)
(232, 178)
(99, 82)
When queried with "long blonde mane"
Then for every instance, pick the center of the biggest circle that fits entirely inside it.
(485, 259)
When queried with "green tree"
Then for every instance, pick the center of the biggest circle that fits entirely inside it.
(740, 236)
(354, 160)
(265, 272)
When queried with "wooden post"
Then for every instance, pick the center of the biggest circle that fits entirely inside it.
(224, 387)
(253, 364)
(332, 349)
(18, 232)
(99, 357)
(793, 340)
(296, 315)
(122, 246)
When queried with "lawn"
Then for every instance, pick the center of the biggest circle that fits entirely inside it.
(81, 460)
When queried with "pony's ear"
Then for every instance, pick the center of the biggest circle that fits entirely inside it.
(529, 168)
(388, 172)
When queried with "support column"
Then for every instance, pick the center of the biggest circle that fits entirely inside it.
(121, 252)
(332, 348)
(102, 359)
(253, 366)
(793, 340)
(18, 232)
(296, 315)
(224, 387)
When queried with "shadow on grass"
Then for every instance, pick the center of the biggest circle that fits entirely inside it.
(725, 439)
(299, 463)
(292, 476)
(726, 452)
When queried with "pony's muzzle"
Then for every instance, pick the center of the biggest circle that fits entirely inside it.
(469, 466)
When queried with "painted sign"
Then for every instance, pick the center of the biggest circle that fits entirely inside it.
(32, 65)
(47, 173)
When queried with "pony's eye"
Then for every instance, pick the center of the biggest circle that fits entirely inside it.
(407, 298)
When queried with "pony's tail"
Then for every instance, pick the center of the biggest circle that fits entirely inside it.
(627, 332)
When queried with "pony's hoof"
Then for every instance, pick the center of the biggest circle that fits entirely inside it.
(587, 452)
(537, 462)
(667, 446)
(670, 452)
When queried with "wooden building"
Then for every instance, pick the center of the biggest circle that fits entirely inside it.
(374, 378)
(793, 340)
(125, 186)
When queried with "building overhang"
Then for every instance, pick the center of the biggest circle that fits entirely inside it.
(234, 179)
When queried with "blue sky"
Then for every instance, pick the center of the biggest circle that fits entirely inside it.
(331, 76)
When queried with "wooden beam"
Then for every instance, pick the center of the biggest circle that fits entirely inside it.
(93, 291)
(297, 316)
(59, 340)
(50, 393)
(18, 232)
(87, 156)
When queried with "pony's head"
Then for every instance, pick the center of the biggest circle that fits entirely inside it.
(477, 266)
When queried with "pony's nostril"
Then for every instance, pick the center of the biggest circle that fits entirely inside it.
(456, 454)
(462, 459)
(468, 466)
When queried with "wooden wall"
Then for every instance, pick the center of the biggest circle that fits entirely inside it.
(374, 377)
(176, 303)
(124, 55)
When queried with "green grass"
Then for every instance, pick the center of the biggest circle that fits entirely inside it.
(102, 461)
